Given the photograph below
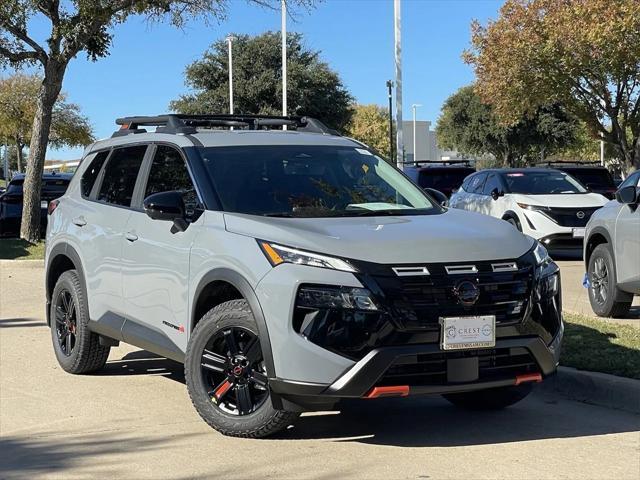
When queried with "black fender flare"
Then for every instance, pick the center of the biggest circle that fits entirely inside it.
(511, 214)
(244, 287)
(596, 231)
(68, 251)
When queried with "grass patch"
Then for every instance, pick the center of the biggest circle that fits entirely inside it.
(600, 346)
(15, 248)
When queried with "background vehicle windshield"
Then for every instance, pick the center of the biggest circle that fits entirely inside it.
(311, 181)
(592, 177)
(444, 179)
(541, 183)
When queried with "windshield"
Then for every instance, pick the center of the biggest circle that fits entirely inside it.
(542, 183)
(311, 181)
(49, 186)
(443, 179)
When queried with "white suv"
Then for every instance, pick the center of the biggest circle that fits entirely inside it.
(549, 205)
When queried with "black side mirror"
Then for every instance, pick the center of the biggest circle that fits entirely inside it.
(495, 194)
(168, 206)
(438, 196)
(628, 195)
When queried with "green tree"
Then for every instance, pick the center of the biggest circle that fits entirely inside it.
(582, 54)
(370, 124)
(313, 89)
(470, 126)
(18, 94)
(76, 26)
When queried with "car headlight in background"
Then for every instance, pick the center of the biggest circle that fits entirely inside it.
(534, 208)
(277, 254)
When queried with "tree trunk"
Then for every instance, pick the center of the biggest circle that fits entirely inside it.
(19, 148)
(47, 96)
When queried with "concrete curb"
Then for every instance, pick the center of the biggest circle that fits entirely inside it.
(595, 388)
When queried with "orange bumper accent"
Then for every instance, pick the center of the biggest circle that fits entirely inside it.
(399, 391)
(528, 377)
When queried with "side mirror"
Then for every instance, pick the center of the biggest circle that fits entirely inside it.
(438, 196)
(168, 206)
(495, 194)
(628, 195)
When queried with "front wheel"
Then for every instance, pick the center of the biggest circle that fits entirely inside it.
(226, 375)
(605, 298)
(490, 399)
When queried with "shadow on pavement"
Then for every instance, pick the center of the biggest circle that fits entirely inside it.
(142, 362)
(21, 322)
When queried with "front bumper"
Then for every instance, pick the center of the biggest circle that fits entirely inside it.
(510, 362)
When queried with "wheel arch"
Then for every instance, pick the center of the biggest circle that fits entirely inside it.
(63, 257)
(225, 278)
(597, 236)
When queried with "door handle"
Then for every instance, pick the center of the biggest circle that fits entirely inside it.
(132, 237)
(79, 221)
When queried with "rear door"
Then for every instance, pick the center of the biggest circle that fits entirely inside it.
(627, 245)
(109, 185)
(155, 262)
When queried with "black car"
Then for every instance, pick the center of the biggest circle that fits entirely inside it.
(53, 186)
(445, 176)
(593, 176)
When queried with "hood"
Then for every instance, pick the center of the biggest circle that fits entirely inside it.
(568, 200)
(453, 236)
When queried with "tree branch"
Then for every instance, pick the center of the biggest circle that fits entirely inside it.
(20, 34)
(17, 57)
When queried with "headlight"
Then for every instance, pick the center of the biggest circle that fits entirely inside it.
(538, 208)
(335, 297)
(277, 254)
(541, 254)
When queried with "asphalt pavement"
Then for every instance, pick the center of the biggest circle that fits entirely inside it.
(134, 420)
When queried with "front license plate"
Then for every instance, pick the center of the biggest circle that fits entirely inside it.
(44, 204)
(578, 232)
(459, 333)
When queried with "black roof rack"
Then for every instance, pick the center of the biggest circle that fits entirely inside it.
(418, 163)
(568, 163)
(188, 124)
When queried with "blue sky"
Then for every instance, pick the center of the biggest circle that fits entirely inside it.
(145, 68)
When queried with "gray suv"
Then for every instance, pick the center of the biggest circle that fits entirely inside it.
(290, 269)
(612, 251)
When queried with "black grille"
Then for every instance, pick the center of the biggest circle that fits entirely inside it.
(568, 217)
(418, 302)
(431, 369)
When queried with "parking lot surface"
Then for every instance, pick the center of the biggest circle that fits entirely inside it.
(134, 420)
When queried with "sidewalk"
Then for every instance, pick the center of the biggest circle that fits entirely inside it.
(576, 299)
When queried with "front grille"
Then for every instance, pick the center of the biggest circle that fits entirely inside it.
(568, 217)
(431, 369)
(418, 302)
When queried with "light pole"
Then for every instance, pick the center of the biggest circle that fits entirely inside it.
(283, 34)
(415, 152)
(398, 58)
(390, 87)
(230, 39)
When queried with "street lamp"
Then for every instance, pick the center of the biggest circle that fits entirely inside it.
(390, 88)
(398, 59)
(230, 39)
(415, 153)
(283, 35)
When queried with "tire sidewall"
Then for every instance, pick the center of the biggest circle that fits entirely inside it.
(603, 309)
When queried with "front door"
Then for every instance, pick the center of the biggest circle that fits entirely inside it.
(155, 262)
(627, 248)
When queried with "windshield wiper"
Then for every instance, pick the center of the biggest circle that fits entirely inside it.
(278, 214)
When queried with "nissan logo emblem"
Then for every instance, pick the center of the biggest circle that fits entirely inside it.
(467, 293)
(580, 214)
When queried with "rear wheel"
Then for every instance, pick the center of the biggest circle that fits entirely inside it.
(605, 298)
(490, 399)
(226, 375)
(77, 349)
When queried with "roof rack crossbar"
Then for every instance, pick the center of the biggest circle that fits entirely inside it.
(187, 124)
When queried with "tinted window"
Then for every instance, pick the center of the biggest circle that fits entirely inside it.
(91, 173)
(169, 172)
(592, 177)
(493, 181)
(476, 182)
(15, 187)
(445, 179)
(541, 183)
(311, 181)
(632, 179)
(120, 175)
(50, 186)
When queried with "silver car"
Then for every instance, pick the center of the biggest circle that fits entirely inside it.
(289, 269)
(612, 251)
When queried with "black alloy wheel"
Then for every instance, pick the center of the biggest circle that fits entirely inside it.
(233, 371)
(66, 321)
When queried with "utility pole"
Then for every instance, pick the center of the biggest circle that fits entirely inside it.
(602, 152)
(390, 88)
(415, 150)
(283, 34)
(398, 58)
(229, 42)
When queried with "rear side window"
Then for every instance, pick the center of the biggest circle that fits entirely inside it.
(121, 174)
(492, 182)
(169, 173)
(476, 183)
(91, 173)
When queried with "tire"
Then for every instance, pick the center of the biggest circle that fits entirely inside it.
(490, 399)
(515, 222)
(217, 393)
(77, 348)
(605, 298)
